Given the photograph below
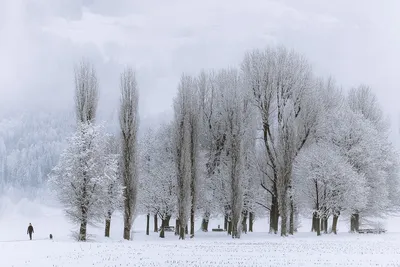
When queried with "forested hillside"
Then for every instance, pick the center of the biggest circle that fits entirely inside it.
(30, 146)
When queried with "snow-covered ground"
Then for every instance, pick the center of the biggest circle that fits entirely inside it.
(206, 249)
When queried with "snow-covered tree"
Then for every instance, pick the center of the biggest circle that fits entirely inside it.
(223, 104)
(81, 165)
(383, 183)
(226, 115)
(158, 177)
(80, 177)
(362, 100)
(212, 140)
(281, 84)
(194, 124)
(183, 149)
(360, 143)
(326, 184)
(129, 123)
(236, 115)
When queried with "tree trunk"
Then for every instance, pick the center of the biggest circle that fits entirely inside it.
(155, 223)
(182, 231)
(352, 224)
(107, 228)
(244, 222)
(176, 227)
(192, 222)
(355, 222)
(291, 219)
(165, 223)
(271, 220)
(316, 224)
(322, 224)
(108, 225)
(283, 214)
(334, 223)
(236, 230)
(296, 219)
(83, 227)
(162, 232)
(274, 216)
(148, 224)
(204, 225)
(251, 221)
(284, 222)
(82, 231)
(127, 229)
(204, 222)
(229, 227)
(193, 183)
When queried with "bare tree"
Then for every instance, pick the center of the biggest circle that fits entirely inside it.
(212, 140)
(182, 139)
(280, 82)
(194, 120)
(129, 120)
(258, 70)
(237, 117)
(86, 92)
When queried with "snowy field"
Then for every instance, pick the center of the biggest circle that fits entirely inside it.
(213, 250)
(206, 249)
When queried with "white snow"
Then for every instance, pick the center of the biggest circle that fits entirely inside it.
(206, 249)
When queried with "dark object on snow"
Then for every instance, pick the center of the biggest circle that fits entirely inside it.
(30, 231)
(51, 236)
(218, 229)
(371, 231)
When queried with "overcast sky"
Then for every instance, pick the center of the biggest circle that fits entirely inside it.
(355, 41)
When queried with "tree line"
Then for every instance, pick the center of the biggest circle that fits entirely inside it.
(268, 138)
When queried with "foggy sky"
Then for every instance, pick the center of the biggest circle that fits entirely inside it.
(355, 41)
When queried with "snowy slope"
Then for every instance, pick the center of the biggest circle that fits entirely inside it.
(206, 249)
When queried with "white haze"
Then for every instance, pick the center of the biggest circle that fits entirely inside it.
(355, 42)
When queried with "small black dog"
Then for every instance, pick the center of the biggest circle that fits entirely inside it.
(51, 236)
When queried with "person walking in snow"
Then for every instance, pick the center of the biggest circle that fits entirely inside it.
(30, 231)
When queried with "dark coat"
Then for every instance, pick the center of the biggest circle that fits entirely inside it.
(30, 230)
